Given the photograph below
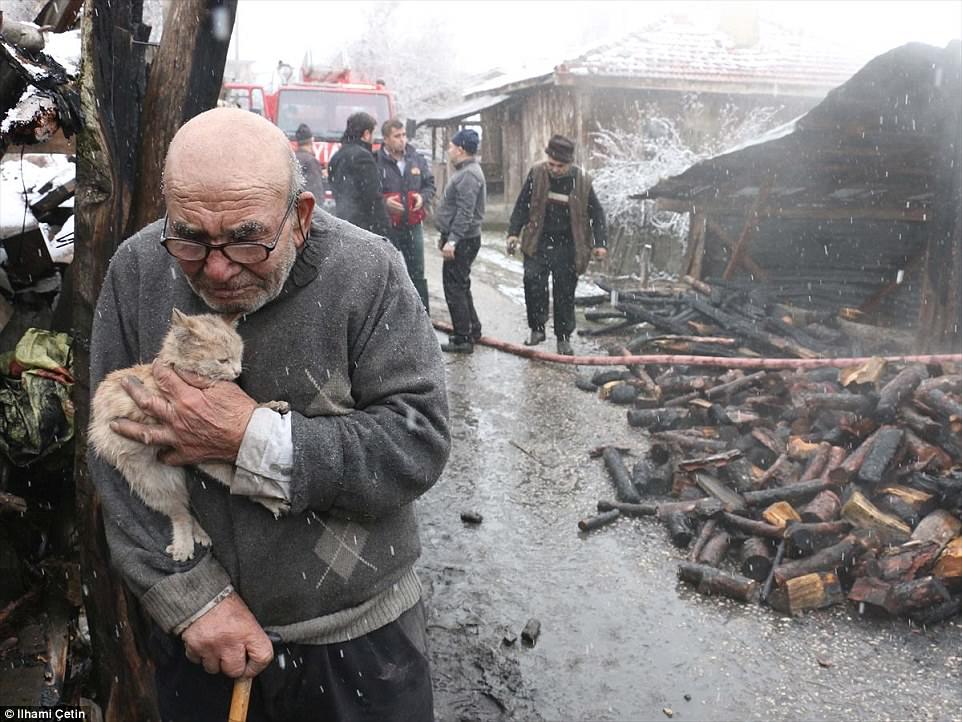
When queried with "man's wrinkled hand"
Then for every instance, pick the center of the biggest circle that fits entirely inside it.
(194, 424)
(512, 246)
(228, 640)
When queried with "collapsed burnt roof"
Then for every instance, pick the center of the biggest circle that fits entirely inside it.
(854, 204)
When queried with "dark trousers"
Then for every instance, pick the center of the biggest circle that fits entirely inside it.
(383, 675)
(456, 276)
(555, 257)
(410, 242)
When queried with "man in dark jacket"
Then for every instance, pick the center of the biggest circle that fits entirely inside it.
(563, 226)
(408, 187)
(459, 217)
(313, 173)
(354, 179)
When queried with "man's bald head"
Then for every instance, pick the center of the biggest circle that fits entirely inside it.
(227, 147)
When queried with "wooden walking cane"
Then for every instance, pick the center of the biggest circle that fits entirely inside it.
(240, 700)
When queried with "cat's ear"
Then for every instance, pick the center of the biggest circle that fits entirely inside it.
(231, 319)
(178, 317)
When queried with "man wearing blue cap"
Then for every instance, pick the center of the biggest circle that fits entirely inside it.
(459, 217)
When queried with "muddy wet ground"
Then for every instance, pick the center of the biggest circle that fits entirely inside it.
(620, 638)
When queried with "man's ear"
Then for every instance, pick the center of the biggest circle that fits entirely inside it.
(303, 215)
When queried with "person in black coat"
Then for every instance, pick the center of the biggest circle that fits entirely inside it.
(354, 178)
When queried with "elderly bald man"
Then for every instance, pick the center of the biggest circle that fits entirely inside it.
(332, 325)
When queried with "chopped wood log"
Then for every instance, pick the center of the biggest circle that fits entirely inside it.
(780, 465)
(756, 558)
(860, 404)
(831, 559)
(899, 388)
(949, 564)
(715, 549)
(710, 461)
(629, 509)
(865, 515)
(624, 489)
(908, 504)
(801, 450)
(809, 591)
(704, 534)
(649, 477)
(824, 507)
(677, 385)
(849, 468)
(780, 514)
(679, 528)
(638, 313)
(708, 580)
(767, 587)
(940, 404)
(940, 526)
(660, 419)
(732, 387)
(750, 526)
(53, 199)
(768, 439)
(793, 494)
(873, 592)
(916, 595)
(682, 401)
(948, 383)
(881, 456)
(598, 521)
(742, 474)
(817, 462)
(907, 561)
(811, 537)
(927, 455)
(716, 488)
(835, 459)
(938, 613)
(923, 425)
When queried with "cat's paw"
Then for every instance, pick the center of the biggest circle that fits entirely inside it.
(274, 506)
(200, 536)
(281, 407)
(181, 551)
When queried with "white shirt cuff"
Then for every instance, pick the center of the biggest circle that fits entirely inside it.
(265, 459)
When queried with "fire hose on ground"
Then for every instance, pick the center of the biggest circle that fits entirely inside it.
(689, 360)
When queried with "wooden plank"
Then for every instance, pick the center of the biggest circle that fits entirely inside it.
(751, 219)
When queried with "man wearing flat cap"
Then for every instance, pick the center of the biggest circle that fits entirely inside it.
(561, 225)
(459, 217)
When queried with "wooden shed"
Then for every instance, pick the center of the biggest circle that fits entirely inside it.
(857, 204)
(677, 69)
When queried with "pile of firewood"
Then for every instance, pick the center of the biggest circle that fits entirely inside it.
(800, 489)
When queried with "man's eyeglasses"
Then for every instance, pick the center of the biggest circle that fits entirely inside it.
(244, 252)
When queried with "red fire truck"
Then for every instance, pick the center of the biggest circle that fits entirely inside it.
(322, 99)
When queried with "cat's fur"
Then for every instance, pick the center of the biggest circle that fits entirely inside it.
(207, 345)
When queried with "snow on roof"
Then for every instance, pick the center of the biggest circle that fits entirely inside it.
(675, 50)
(65, 49)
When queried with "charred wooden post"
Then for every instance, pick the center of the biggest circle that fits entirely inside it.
(780, 514)
(938, 613)
(770, 580)
(943, 406)
(849, 468)
(831, 559)
(756, 558)
(619, 475)
(660, 419)
(704, 534)
(916, 595)
(882, 454)
(732, 387)
(810, 591)
(865, 515)
(810, 537)
(793, 494)
(835, 459)
(648, 477)
(704, 507)
(928, 456)
(715, 549)
(908, 504)
(628, 509)
(714, 487)
(924, 426)
(685, 441)
(899, 388)
(817, 462)
(824, 507)
(857, 403)
(742, 474)
(708, 580)
(679, 528)
(751, 527)
(598, 521)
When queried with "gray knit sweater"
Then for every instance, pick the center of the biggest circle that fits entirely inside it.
(348, 345)
(462, 205)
